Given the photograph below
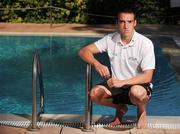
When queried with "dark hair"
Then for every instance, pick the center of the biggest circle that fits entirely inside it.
(125, 10)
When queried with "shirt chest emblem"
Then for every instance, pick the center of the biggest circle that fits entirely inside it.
(132, 58)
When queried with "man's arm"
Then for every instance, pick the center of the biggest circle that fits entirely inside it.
(144, 77)
(87, 54)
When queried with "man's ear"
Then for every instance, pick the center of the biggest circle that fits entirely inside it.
(135, 23)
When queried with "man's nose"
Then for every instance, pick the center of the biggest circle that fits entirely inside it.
(126, 25)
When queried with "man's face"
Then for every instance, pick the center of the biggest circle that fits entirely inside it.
(126, 24)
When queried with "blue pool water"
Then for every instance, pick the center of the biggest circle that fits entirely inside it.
(64, 77)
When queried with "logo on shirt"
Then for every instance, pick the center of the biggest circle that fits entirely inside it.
(133, 61)
(132, 58)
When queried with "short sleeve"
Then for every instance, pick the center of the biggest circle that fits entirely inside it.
(148, 57)
(102, 44)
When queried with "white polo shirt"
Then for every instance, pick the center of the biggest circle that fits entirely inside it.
(127, 60)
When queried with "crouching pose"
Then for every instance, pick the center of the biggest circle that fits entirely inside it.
(132, 61)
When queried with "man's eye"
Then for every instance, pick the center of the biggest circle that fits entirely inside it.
(121, 22)
(130, 21)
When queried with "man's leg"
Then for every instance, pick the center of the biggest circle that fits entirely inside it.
(138, 96)
(101, 95)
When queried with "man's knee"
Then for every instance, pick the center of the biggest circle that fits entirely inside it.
(93, 93)
(138, 94)
(96, 93)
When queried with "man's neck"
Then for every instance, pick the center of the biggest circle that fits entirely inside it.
(126, 40)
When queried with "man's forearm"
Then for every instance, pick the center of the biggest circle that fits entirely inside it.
(144, 77)
(87, 56)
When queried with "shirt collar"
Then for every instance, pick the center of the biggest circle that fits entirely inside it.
(117, 38)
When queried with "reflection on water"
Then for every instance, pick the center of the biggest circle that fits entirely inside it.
(64, 77)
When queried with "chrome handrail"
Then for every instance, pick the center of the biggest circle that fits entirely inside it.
(87, 127)
(36, 72)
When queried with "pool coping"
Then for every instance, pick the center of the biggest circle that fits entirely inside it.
(85, 34)
(51, 34)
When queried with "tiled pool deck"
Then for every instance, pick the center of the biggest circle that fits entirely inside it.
(169, 46)
(19, 128)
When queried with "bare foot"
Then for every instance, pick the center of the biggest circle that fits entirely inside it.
(119, 114)
(142, 121)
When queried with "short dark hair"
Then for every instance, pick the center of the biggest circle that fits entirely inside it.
(125, 10)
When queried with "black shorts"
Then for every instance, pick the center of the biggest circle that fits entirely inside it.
(121, 95)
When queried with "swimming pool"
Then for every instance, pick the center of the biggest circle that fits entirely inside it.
(64, 77)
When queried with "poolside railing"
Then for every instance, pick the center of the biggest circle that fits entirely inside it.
(88, 106)
(36, 72)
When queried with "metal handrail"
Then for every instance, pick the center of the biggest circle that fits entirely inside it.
(36, 72)
(87, 127)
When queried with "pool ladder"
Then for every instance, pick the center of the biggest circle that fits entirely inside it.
(87, 127)
(36, 74)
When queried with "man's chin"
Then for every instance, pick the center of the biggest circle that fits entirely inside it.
(126, 34)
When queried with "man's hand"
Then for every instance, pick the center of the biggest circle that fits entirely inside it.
(112, 82)
(102, 70)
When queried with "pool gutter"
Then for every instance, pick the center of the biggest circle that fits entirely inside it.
(98, 121)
